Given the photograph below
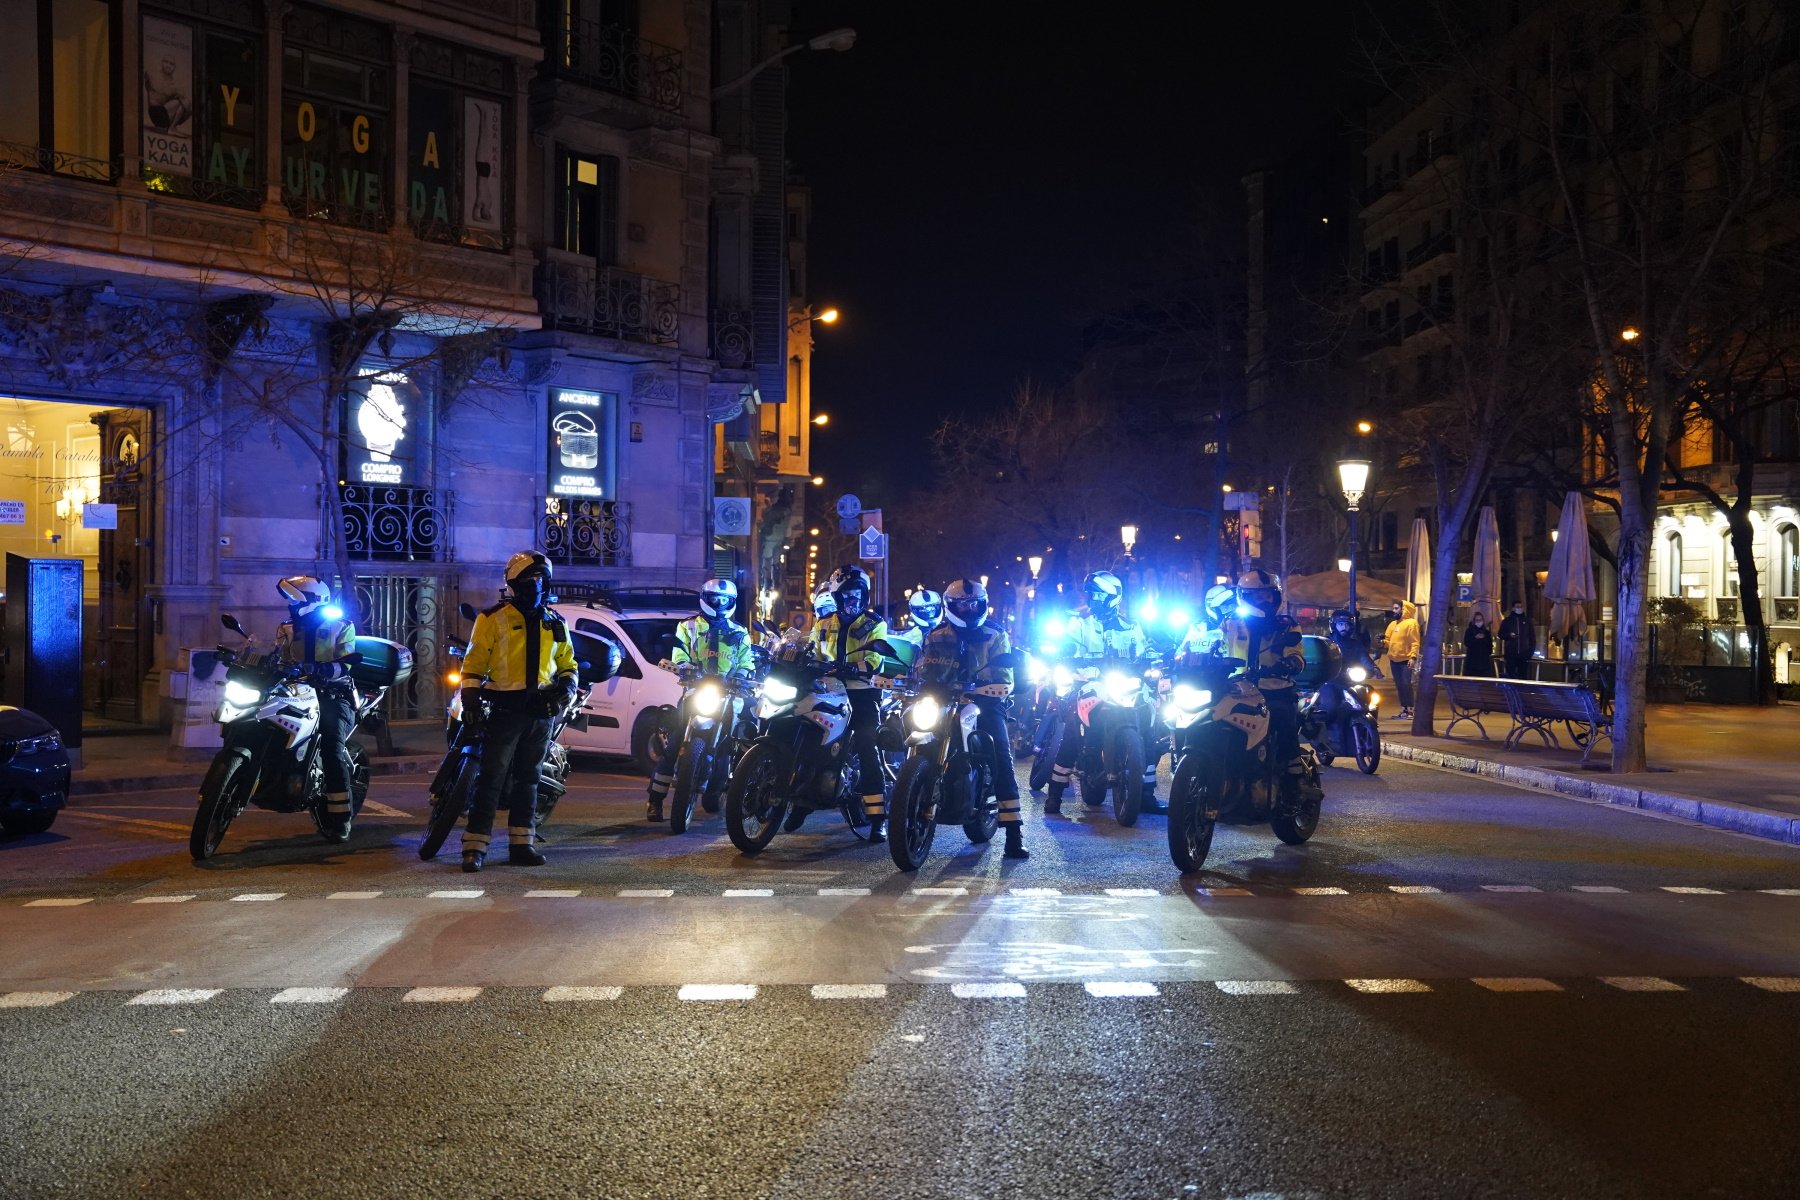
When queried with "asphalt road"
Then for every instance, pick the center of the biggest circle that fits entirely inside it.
(1455, 989)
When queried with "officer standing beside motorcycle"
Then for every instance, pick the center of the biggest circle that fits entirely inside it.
(959, 652)
(1263, 637)
(844, 637)
(1099, 631)
(318, 641)
(521, 663)
(713, 644)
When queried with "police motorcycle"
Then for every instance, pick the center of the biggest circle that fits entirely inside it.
(269, 721)
(453, 787)
(1226, 768)
(1114, 707)
(1055, 709)
(948, 777)
(1341, 713)
(803, 760)
(720, 714)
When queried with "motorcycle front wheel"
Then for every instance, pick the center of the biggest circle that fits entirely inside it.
(693, 774)
(912, 820)
(359, 777)
(223, 795)
(1366, 739)
(753, 812)
(1295, 824)
(986, 822)
(1128, 779)
(1045, 762)
(448, 805)
(1194, 789)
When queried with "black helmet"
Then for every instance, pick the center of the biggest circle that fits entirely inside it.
(850, 581)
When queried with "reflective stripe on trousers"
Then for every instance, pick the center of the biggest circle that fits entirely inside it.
(659, 784)
(875, 807)
(1009, 812)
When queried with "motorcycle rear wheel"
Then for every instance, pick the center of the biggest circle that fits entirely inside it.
(753, 813)
(911, 823)
(223, 795)
(447, 806)
(1045, 762)
(1128, 780)
(1195, 788)
(693, 774)
(1366, 739)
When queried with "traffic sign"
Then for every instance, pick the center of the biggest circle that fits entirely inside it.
(848, 505)
(872, 545)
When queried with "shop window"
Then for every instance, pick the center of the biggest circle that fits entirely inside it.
(56, 88)
(335, 136)
(201, 108)
(459, 164)
(587, 206)
(1729, 566)
(1787, 560)
(1672, 565)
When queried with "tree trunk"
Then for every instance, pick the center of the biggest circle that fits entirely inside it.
(1431, 631)
(1743, 550)
(1631, 640)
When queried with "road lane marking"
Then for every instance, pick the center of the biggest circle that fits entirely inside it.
(1641, 983)
(458, 894)
(1388, 987)
(162, 899)
(1107, 990)
(1321, 891)
(1256, 987)
(256, 897)
(130, 823)
(844, 891)
(1132, 893)
(1414, 889)
(1773, 983)
(717, 991)
(988, 991)
(1590, 887)
(740, 893)
(309, 995)
(441, 995)
(381, 810)
(353, 895)
(940, 891)
(34, 999)
(561, 995)
(1508, 887)
(646, 893)
(1781, 891)
(552, 893)
(1034, 891)
(59, 902)
(1517, 985)
(1694, 891)
(1222, 891)
(849, 991)
(175, 996)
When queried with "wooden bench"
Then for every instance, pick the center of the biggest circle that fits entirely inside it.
(1534, 707)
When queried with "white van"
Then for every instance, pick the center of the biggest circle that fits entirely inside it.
(625, 713)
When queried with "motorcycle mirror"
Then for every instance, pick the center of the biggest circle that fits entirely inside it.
(230, 622)
(467, 610)
(456, 651)
(590, 673)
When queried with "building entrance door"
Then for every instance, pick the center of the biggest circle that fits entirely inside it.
(122, 635)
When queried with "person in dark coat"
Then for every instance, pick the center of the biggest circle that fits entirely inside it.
(1478, 647)
(1518, 641)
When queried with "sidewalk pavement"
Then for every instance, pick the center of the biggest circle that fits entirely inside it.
(139, 762)
(1728, 766)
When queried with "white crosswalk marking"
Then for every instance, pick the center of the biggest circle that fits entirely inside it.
(175, 996)
(849, 991)
(1641, 983)
(353, 895)
(1034, 891)
(458, 894)
(1694, 891)
(1132, 893)
(1599, 888)
(717, 991)
(1107, 990)
(988, 991)
(1221, 891)
(1255, 987)
(552, 893)
(162, 899)
(940, 891)
(256, 897)
(59, 902)
(34, 999)
(1508, 887)
(1518, 985)
(1388, 987)
(565, 994)
(1774, 983)
(1321, 891)
(646, 893)
(441, 995)
(844, 891)
(1781, 891)
(309, 995)
(1414, 889)
(749, 892)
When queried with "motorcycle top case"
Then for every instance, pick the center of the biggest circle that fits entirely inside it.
(381, 663)
(1324, 661)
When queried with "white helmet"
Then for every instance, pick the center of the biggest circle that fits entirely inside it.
(927, 608)
(1259, 591)
(824, 604)
(965, 603)
(524, 561)
(1103, 590)
(1221, 598)
(304, 594)
(718, 598)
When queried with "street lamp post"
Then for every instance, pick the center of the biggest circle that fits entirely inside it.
(836, 39)
(1128, 535)
(1353, 478)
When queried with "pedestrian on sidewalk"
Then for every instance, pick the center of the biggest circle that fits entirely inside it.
(1478, 647)
(1518, 641)
(1403, 645)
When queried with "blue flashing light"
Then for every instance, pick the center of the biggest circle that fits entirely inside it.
(334, 613)
(1243, 610)
(1055, 627)
(1147, 609)
(1048, 647)
(1178, 619)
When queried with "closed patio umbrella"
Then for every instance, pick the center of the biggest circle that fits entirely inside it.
(1418, 567)
(1484, 585)
(1570, 581)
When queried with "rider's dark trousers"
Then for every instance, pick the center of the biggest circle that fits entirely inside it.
(512, 752)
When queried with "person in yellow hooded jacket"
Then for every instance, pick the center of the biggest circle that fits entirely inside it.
(1403, 645)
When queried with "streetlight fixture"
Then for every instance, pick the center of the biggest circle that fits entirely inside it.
(1353, 479)
(1128, 535)
(818, 481)
(837, 39)
(822, 419)
(1629, 334)
(1036, 563)
(828, 317)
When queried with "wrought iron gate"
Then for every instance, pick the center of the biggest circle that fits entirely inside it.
(411, 610)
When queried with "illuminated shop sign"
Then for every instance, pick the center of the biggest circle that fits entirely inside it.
(582, 445)
(382, 430)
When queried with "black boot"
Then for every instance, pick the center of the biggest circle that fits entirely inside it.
(474, 860)
(1053, 802)
(653, 809)
(1015, 843)
(522, 855)
(876, 833)
(795, 819)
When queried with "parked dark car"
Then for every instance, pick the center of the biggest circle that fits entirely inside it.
(34, 772)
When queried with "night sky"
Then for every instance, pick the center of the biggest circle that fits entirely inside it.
(986, 174)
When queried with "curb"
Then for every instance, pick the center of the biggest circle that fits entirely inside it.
(400, 764)
(1720, 814)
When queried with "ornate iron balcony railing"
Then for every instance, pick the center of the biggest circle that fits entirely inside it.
(591, 532)
(396, 524)
(731, 340)
(577, 295)
(58, 162)
(609, 58)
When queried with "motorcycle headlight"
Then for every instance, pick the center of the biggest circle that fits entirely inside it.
(241, 695)
(1063, 677)
(1374, 701)
(1189, 698)
(1121, 688)
(925, 714)
(707, 699)
(777, 692)
(1035, 671)
(1357, 674)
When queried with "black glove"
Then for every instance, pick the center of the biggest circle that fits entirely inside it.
(474, 710)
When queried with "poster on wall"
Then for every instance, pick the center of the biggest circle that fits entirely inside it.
(481, 164)
(581, 444)
(381, 426)
(168, 119)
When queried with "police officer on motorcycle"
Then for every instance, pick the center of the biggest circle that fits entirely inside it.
(959, 652)
(926, 610)
(1099, 631)
(321, 644)
(714, 644)
(845, 637)
(1264, 638)
(518, 671)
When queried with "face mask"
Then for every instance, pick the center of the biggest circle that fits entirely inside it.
(531, 591)
(1518, 612)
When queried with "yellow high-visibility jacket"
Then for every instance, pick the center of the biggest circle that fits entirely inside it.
(499, 645)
